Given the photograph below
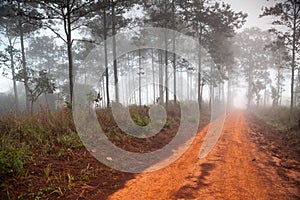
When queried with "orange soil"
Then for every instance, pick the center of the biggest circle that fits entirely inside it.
(230, 171)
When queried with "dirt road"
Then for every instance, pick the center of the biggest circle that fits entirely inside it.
(230, 171)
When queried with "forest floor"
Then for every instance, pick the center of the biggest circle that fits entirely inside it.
(250, 161)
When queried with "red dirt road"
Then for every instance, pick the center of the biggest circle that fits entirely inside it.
(235, 169)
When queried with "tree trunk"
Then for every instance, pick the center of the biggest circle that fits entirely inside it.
(188, 84)
(70, 59)
(229, 100)
(12, 65)
(23, 60)
(105, 58)
(265, 95)
(140, 78)
(174, 54)
(181, 85)
(199, 68)
(31, 107)
(249, 88)
(161, 77)
(211, 87)
(147, 88)
(104, 95)
(166, 71)
(68, 31)
(114, 52)
(175, 77)
(153, 75)
(166, 59)
(293, 62)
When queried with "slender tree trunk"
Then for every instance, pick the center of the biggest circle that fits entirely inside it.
(128, 80)
(12, 65)
(114, 52)
(181, 85)
(249, 88)
(166, 59)
(174, 54)
(104, 95)
(211, 87)
(161, 75)
(229, 100)
(70, 59)
(31, 107)
(140, 78)
(105, 58)
(202, 86)
(200, 69)
(222, 93)
(175, 79)
(153, 75)
(279, 76)
(265, 95)
(188, 84)
(147, 88)
(24, 60)
(293, 63)
(191, 86)
(174, 69)
(166, 71)
(68, 32)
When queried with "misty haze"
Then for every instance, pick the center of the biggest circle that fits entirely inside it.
(149, 99)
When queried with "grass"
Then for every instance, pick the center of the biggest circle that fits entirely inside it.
(42, 157)
(26, 142)
(280, 119)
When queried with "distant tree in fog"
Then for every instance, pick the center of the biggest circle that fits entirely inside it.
(253, 59)
(287, 14)
(38, 84)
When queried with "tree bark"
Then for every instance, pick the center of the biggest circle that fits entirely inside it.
(140, 78)
(166, 60)
(12, 66)
(24, 60)
(166, 71)
(229, 100)
(161, 75)
(153, 74)
(293, 60)
(199, 69)
(68, 32)
(105, 57)
(174, 54)
(114, 52)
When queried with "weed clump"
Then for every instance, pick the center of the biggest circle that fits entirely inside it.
(12, 161)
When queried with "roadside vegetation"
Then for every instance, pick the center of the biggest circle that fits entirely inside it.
(42, 157)
(284, 122)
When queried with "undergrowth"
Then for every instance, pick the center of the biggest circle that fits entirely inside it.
(43, 133)
(281, 120)
(35, 148)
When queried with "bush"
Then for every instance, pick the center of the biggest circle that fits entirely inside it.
(279, 117)
(12, 161)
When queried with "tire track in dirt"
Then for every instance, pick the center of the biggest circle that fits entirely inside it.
(228, 172)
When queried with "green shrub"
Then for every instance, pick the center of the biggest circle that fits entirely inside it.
(12, 161)
(69, 141)
(142, 120)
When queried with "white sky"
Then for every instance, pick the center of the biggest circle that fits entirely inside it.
(252, 7)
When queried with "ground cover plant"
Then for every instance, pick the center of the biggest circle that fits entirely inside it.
(42, 157)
